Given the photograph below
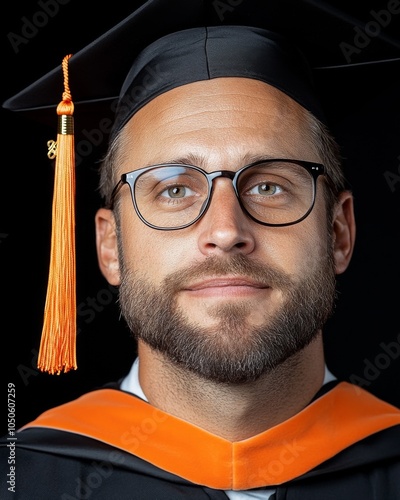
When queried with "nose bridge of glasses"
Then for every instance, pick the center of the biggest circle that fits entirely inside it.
(228, 174)
(221, 174)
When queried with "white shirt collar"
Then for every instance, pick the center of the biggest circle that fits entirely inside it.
(131, 382)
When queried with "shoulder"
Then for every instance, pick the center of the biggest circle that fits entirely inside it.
(367, 470)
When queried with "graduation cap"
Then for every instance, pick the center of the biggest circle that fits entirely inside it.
(330, 56)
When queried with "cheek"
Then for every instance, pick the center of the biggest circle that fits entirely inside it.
(151, 253)
(297, 249)
(315, 247)
(313, 236)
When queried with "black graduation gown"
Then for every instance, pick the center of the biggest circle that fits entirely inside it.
(109, 445)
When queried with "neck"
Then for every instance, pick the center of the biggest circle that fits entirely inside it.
(233, 412)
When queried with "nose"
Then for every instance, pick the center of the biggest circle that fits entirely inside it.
(225, 228)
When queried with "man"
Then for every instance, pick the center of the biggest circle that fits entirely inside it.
(226, 221)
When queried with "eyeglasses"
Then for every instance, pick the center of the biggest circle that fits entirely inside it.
(272, 192)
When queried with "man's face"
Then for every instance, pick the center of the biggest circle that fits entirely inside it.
(226, 297)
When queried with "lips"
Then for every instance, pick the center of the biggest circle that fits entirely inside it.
(226, 282)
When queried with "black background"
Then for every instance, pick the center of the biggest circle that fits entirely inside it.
(357, 338)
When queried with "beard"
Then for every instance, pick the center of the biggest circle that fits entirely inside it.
(233, 352)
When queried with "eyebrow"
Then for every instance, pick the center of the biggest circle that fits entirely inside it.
(201, 160)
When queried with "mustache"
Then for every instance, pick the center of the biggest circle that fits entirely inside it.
(235, 265)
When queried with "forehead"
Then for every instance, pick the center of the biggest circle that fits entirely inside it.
(231, 115)
(222, 95)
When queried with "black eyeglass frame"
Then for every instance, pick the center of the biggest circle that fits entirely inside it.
(130, 178)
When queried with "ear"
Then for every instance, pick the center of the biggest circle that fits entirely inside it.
(344, 231)
(106, 245)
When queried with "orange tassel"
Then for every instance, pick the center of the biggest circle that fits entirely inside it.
(57, 351)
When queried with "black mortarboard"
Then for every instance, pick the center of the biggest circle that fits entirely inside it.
(352, 52)
(353, 47)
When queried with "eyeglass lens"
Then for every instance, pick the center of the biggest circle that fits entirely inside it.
(171, 196)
